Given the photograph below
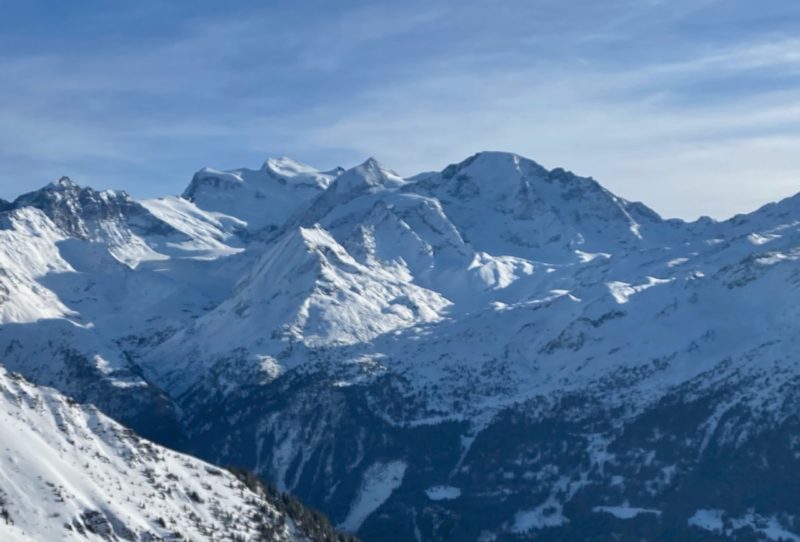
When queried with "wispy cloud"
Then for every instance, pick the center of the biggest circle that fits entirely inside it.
(655, 99)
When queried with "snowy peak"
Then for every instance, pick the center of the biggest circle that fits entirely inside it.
(84, 212)
(264, 198)
(506, 204)
(69, 189)
(495, 165)
(126, 227)
(368, 179)
(210, 177)
(485, 175)
(70, 193)
(369, 176)
(512, 181)
(63, 183)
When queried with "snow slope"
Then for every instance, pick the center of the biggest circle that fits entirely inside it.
(67, 472)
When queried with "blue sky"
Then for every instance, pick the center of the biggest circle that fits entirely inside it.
(690, 106)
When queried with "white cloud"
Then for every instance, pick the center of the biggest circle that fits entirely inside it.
(614, 125)
(420, 89)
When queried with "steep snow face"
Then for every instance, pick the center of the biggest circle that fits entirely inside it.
(208, 235)
(346, 302)
(379, 482)
(506, 204)
(67, 472)
(263, 199)
(306, 290)
(27, 252)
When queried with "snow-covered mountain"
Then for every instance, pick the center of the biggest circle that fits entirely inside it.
(493, 352)
(67, 472)
(530, 212)
(262, 199)
(85, 275)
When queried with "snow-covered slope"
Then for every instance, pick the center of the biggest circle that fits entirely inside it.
(85, 276)
(28, 241)
(305, 289)
(209, 234)
(67, 472)
(405, 352)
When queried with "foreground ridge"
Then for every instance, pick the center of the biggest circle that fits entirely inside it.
(70, 473)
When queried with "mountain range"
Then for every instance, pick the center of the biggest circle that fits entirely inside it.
(493, 352)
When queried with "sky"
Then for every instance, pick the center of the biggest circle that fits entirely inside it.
(691, 106)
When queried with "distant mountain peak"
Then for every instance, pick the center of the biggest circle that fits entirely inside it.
(369, 175)
(263, 198)
(68, 196)
(70, 189)
(372, 162)
(111, 216)
(504, 202)
(497, 161)
(63, 182)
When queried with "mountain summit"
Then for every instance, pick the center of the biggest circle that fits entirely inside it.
(496, 197)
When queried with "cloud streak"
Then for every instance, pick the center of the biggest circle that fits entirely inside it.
(652, 98)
